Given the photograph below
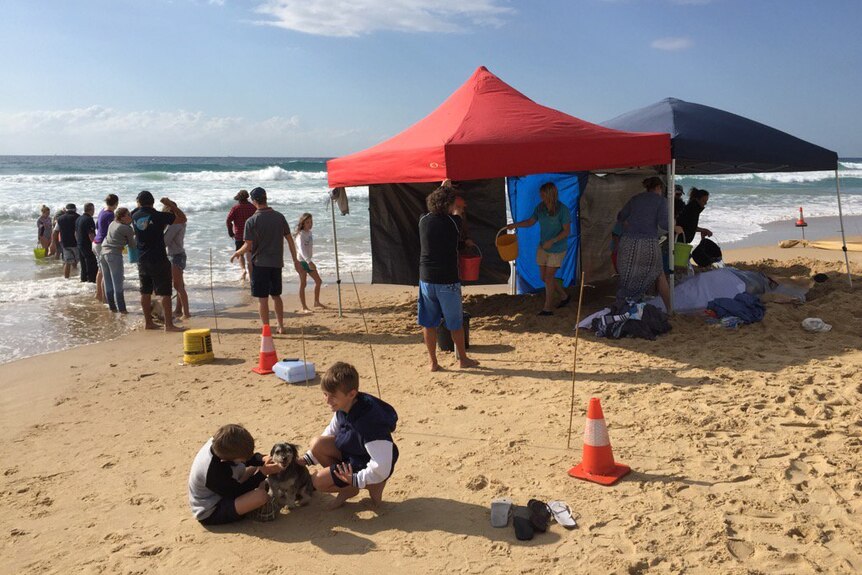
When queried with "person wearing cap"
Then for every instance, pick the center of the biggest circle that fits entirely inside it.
(68, 243)
(85, 233)
(263, 236)
(154, 268)
(236, 218)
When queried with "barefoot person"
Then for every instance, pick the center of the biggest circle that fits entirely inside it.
(356, 449)
(66, 229)
(236, 218)
(555, 223)
(106, 216)
(305, 247)
(154, 269)
(43, 226)
(263, 237)
(175, 235)
(439, 284)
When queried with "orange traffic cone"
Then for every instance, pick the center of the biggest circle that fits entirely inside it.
(268, 357)
(597, 464)
(800, 223)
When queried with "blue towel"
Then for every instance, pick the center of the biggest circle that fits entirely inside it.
(745, 306)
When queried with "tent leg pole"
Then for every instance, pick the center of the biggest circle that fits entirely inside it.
(671, 223)
(335, 240)
(841, 220)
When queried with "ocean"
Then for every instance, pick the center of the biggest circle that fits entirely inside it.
(41, 312)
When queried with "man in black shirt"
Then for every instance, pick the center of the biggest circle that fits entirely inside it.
(154, 268)
(439, 284)
(85, 231)
(68, 243)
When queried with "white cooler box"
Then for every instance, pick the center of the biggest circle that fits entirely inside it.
(294, 370)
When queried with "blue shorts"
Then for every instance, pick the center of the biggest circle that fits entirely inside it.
(440, 301)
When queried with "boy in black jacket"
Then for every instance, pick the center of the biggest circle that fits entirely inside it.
(226, 479)
(356, 449)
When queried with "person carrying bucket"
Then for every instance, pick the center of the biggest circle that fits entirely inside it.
(555, 223)
(439, 284)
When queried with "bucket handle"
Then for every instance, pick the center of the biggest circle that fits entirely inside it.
(503, 229)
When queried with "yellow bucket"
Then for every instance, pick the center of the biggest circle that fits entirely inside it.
(197, 346)
(681, 253)
(39, 253)
(507, 246)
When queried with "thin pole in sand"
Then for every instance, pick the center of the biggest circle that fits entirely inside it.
(304, 361)
(212, 295)
(371, 349)
(335, 240)
(841, 219)
(575, 363)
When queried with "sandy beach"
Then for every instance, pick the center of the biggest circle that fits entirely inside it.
(745, 445)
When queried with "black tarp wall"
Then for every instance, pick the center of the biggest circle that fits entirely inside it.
(395, 210)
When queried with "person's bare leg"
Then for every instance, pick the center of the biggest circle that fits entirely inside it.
(458, 339)
(279, 313)
(376, 493)
(324, 450)
(303, 280)
(257, 497)
(550, 289)
(664, 290)
(169, 318)
(67, 269)
(182, 295)
(243, 268)
(100, 288)
(317, 283)
(263, 310)
(429, 334)
(147, 308)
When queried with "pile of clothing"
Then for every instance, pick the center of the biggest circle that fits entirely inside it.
(640, 320)
(743, 308)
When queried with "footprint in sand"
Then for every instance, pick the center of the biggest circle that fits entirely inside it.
(740, 550)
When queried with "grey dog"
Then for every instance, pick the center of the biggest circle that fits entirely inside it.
(291, 487)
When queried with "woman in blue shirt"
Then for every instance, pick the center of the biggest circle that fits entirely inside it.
(554, 226)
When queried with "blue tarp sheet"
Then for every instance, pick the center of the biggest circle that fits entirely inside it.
(523, 199)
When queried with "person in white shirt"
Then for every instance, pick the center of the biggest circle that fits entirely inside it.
(305, 247)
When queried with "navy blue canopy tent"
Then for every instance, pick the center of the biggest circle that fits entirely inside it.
(706, 141)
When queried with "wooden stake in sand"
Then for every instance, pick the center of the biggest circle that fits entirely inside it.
(371, 349)
(575, 363)
(304, 361)
(212, 295)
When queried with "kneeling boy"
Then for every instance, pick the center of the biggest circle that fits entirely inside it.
(356, 448)
(226, 479)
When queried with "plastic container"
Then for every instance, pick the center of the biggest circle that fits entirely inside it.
(197, 346)
(294, 370)
(469, 265)
(444, 336)
(39, 253)
(507, 246)
(133, 255)
(681, 254)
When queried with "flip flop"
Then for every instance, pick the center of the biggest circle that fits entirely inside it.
(565, 302)
(562, 514)
(543, 313)
(501, 510)
(540, 515)
(524, 529)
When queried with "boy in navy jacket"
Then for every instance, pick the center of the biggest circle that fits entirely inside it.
(356, 448)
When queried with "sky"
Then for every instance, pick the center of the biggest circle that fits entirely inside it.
(323, 78)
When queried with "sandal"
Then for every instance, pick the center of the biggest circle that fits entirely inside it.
(562, 514)
(540, 515)
(565, 302)
(524, 529)
(544, 312)
(501, 510)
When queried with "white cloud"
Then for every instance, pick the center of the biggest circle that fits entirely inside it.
(99, 130)
(671, 44)
(360, 17)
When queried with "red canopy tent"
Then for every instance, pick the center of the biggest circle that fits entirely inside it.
(487, 129)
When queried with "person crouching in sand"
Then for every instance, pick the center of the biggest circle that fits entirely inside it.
(356, 449)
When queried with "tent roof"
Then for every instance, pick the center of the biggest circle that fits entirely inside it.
(711, 141)
(487, 129)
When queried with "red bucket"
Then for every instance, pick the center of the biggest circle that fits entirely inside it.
(468, 266)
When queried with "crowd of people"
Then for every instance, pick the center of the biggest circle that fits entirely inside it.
(155, 241)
